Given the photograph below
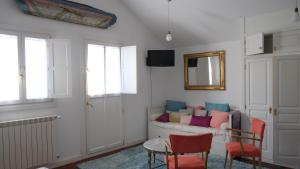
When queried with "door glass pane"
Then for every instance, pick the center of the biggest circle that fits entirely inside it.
(113, 70)
(95, 70)
(9, 69)
(36, 57)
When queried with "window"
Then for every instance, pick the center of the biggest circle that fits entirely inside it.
(9, 68)
(106, 73)
(36, 58)
(24, 68)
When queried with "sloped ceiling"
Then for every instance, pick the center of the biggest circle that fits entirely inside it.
(201, 21)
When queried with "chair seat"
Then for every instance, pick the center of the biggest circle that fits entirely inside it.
(235, 149)
(187, 162)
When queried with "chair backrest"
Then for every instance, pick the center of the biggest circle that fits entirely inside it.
(258, 127)
(191, 144)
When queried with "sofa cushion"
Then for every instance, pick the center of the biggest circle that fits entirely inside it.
(201, 121)
(218, 118)
(185, 120)
(175, 117)
(189, 111)
(163, 118)
(215, 106)
(154, 116)
(174, 106)
(199, 112)
(187, 128)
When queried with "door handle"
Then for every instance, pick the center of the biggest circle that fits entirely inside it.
(270, 110)
(275, 112)
(89, 104)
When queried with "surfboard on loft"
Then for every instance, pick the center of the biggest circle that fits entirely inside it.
(68, 11)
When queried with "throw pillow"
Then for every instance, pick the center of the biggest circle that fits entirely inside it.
(174, 106)
(215, 106)
(199, 112)
(200, 121)
(164, 118)
(154, 116)
(175, 117)
(187, 111)
(218, 118)
(185, 119)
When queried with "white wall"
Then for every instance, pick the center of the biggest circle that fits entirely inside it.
(170, 81)
(128, 31)
(271, 22)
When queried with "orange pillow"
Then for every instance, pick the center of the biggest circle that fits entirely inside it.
(218, 118)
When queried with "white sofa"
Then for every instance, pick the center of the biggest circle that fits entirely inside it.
(163, 130)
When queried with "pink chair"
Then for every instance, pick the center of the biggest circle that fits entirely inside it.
(238, 148)
(179, 145)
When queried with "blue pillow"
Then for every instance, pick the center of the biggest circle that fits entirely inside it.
(175, 106)
(216, 106)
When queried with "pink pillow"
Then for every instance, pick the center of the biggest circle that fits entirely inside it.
(218, 118)
(185, 119)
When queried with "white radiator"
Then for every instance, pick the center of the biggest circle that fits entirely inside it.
(27, 143)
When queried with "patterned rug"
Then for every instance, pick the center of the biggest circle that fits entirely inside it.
(137, 158)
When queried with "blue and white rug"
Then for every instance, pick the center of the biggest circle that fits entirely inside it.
(137, 158)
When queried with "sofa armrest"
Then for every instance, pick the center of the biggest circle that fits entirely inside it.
(235, 119)
(153, 111)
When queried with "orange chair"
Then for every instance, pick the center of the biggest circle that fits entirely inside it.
(188, 144)
(239, 149)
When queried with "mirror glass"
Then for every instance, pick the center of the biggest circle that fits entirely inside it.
(204, 71)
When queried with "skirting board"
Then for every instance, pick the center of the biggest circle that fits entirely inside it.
(73, 159)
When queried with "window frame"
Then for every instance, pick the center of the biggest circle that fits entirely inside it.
(22, 67)
(93, 42)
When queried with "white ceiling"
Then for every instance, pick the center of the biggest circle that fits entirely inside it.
(201, 21)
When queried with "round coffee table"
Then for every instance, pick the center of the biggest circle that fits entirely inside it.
(155, 146)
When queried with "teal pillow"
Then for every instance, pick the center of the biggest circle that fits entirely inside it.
(216, 106)
(175, 106)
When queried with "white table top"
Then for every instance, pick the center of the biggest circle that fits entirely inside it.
(155, 145)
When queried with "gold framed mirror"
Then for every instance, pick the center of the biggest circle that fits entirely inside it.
(204, 71)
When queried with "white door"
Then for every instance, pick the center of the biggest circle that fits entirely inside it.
(287, 112)
(259, 99)
(104, 121)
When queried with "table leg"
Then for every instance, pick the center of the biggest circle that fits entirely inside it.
(149, 159)
(154, 157)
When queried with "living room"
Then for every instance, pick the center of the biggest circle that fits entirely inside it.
(78, 92)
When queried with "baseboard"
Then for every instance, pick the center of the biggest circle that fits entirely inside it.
(76, 158)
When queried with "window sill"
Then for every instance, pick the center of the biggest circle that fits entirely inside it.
(42, 104)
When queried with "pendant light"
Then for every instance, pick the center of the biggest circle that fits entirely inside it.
(169, 34)
(296, 16)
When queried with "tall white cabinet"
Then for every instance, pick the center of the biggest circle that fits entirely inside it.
(272, 93)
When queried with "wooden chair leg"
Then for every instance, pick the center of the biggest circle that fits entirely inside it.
(259, 161)
(230, 162)
(254, 162)
(226, 156)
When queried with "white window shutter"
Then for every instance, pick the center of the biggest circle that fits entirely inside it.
(59, 68)
(129, 69)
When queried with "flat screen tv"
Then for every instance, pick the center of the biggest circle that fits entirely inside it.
(161, 58)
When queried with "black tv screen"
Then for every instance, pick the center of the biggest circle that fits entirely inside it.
(161, 58)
